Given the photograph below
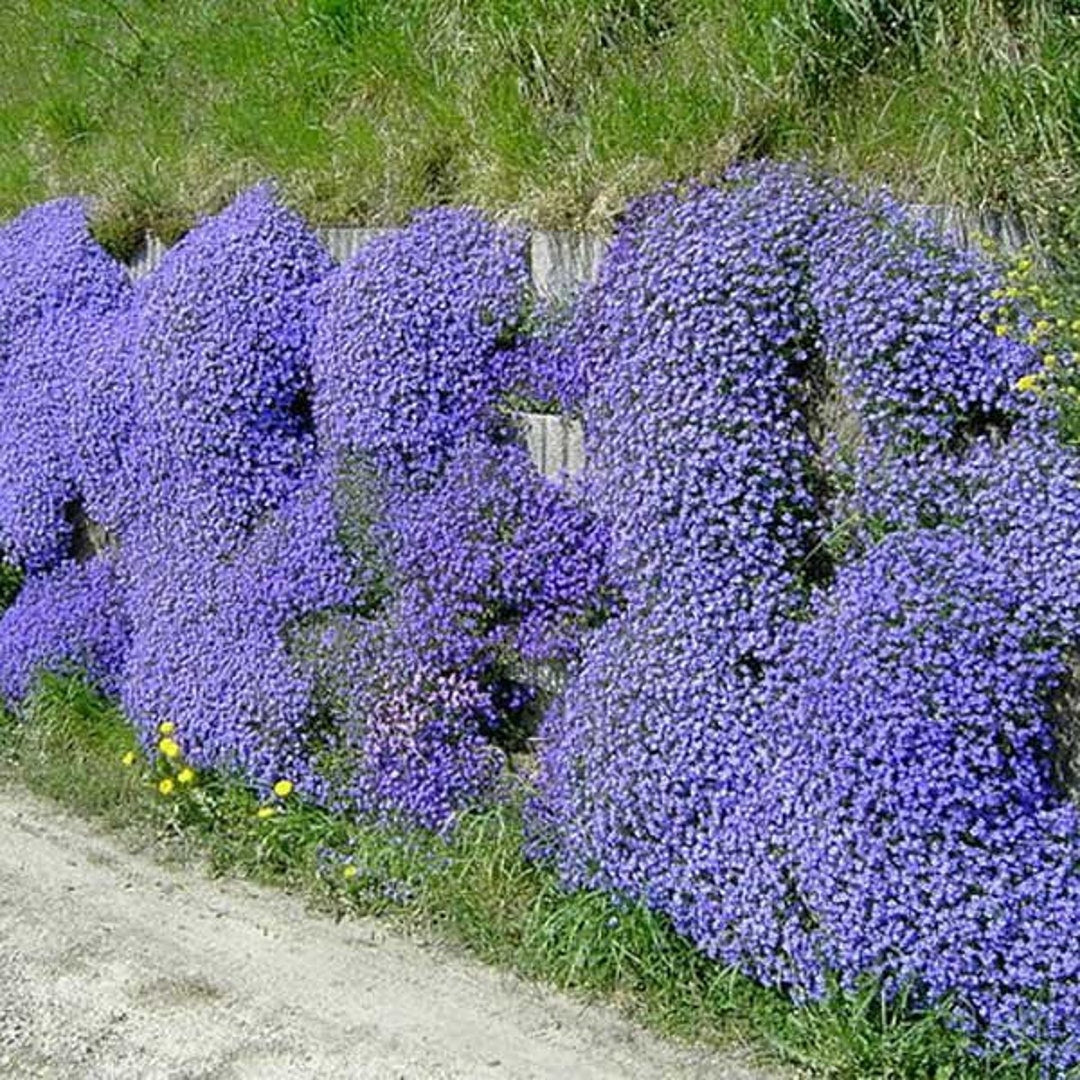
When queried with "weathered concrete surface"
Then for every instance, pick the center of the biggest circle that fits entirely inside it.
(555, 443)
(113, 966)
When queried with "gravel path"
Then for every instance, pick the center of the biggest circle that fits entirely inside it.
(112, 965)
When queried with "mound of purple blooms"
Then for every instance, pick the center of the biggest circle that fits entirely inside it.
(826, 761)
(56, 284)
(798, 639)
(488, 572)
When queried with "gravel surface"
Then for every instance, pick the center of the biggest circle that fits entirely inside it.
(113, 965)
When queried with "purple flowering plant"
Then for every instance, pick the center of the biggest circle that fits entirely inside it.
(797, 643)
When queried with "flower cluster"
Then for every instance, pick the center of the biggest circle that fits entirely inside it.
(822, 760)
(221, 369)
(70, 618)
(56, 284)
(413, 346)
(486, 572)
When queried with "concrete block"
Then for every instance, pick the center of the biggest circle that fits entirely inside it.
(562, 262)
(343, 242)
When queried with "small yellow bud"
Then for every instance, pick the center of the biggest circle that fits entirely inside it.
(129, 758)
(265, 812)
(1001, 330)
(283, 789)
(166, 786)
(349, 871)
(169, 748)
(166, 728)
(186, 775)
(1027, 383)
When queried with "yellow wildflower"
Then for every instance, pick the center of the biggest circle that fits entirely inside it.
(283, 788)
(1001, 329)
(265, 812)
(1027, 383)
(166, 786)
(166, 728)
(129, 758)
(349, 871)
(186, 775)
(169, 748)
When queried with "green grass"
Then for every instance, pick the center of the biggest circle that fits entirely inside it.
(475, 889)
(554, 111)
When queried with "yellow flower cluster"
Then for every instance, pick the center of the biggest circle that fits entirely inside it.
(282, 789)
(171, 752)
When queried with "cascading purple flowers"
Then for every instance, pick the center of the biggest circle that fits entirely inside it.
(227, 527)
(56, 284)
(800, 637)
(488, 572)
(823, 760)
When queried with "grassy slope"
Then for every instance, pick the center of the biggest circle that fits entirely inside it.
(552, 109)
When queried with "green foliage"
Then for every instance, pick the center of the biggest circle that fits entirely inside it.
(11, 579)
(557, 110)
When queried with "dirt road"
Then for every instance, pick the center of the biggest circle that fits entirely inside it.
(112, 966)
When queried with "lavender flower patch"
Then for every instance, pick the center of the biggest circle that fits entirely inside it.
(839, 771)
(56, 283)
(70, 619)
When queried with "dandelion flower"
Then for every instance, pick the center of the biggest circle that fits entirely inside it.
(186, 775)
(129, 758)
(1027, 383)
(166, 786)
(169, 748)
(349, 871)
(265, 812)
(166, 728)
(283, 788)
